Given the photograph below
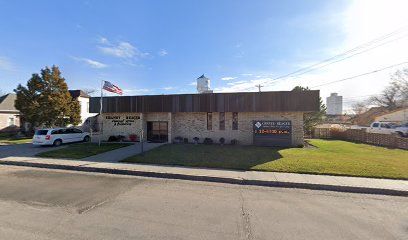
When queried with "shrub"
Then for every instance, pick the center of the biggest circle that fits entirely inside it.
(337, 133)
(113, 139)
(185, 140)
(208, 141)
(222, 140)
(234, 142)
(178, 139)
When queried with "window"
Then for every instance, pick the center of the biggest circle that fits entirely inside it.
(11, 121)
(222, 120)
(376, 125)
(234, 121)
(209, 121)
(76, 130)
(41, 132)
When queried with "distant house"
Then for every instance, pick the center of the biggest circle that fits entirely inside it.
(398, 116)
(381, 114)
(83, 99)
(9, 115)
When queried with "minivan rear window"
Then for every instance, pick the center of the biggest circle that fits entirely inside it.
(41, 132)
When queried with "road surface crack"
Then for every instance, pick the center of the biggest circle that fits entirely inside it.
(246, 221)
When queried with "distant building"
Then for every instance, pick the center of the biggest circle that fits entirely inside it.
(9, 115)
(334, 104)
(397, 116)
(83, 99)
(203, 85)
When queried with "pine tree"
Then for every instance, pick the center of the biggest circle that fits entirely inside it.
(46, 100)
(310, 120)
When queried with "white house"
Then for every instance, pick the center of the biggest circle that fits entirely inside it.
(83, 99)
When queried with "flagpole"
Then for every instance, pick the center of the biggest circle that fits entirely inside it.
(100, 114)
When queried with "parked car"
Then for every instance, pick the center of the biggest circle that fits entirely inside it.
(388, 128)
(58, 136)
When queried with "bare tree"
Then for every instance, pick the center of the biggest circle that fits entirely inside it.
(395, 95)
(360, 107)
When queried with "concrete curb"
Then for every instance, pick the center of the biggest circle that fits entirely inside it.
(238, 181)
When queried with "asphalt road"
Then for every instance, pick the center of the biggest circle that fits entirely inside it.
(53, 204)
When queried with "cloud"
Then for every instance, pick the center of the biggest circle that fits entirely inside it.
(194, 83)
(103, 40)
(169, 88)
(91, 63)
(6, 64)
(227, 78)
(163, 52)
(123, 50)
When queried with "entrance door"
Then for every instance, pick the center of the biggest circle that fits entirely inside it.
(157, 131)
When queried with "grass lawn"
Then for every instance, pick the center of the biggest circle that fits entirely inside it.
(7, 139)
(82, 150)
(330, 157)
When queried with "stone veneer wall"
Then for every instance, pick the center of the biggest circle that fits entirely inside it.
(110, 129)
(192, 125)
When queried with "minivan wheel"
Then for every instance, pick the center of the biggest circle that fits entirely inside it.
(57, 142)
(87, 138)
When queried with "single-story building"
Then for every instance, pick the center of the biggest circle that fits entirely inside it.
(9, 115)
(260, 118)
(399, 116)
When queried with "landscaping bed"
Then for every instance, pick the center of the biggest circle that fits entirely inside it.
(82, 150)
(330, 157)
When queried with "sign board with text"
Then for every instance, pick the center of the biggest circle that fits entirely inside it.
(272, 133)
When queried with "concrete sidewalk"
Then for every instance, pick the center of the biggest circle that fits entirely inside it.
(116, 155)
(272, 179)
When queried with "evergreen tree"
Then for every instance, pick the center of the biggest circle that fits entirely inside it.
(310, 120)
(46, 100)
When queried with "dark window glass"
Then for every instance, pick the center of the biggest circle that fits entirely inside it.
(222, 120)
(69, 131)
(375, 125)
(209, 121)
(41, 132)
(75, 130)
(234, 121)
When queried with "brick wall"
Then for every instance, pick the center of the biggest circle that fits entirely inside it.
(192, 125)
(386, 140)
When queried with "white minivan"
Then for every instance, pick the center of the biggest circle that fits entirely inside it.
(58, 136)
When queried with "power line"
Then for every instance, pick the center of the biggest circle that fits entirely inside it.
(360, 75)
(329, 61)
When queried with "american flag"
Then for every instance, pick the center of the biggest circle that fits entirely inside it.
(112, 88)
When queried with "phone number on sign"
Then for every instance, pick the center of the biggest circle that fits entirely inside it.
(271, 131)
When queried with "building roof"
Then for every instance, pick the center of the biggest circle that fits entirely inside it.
(283, 101)
(7, 102)
(78, 93)
(394, 111)
(202, 76)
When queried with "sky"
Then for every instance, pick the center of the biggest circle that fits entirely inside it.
(162, 47)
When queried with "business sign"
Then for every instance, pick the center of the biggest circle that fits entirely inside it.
(118, 120)
(272, 133)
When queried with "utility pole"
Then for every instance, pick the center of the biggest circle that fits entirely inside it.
(259, 87)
